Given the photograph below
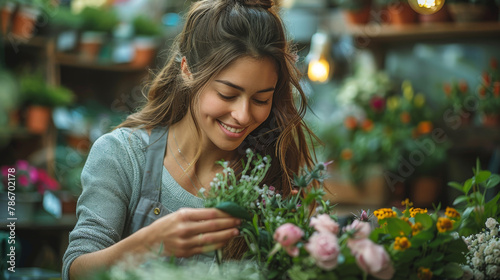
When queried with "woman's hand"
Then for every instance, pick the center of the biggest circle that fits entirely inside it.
(190, 231)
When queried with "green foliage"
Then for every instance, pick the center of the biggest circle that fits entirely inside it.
(263, 210)
(145, 26)
(426, 243)
(63, 17)
(474, 208)
(36, 91)
(98, 19)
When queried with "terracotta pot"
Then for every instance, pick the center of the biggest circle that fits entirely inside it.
(491, 120)
(145, 51)
(467, 12)
(401, 13)
(425, 190)
(23, 23)
(5, 15)
(90, 45)
(38, 118)
(358, 17)
(442, 15)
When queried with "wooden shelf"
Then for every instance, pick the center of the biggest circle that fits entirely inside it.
(445, 31)
(73, 60)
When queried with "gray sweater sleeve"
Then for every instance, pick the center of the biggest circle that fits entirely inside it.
(108, 180)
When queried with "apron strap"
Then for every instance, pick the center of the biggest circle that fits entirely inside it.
(151, 186)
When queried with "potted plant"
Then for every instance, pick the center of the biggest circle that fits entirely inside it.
(145, 42)
(41, 98)
(399, 12)
(457, 94)
(64, 25)
(97, 24)
(355, 11)
(6, 12)
(25, 18)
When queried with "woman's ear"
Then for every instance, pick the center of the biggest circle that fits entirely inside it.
(186, 74)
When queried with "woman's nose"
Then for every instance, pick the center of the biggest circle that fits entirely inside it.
(241, 112)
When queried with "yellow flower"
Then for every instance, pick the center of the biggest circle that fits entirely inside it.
(419, 100)
(415, 211)
(384, 213)
(407, 202)
(444, 224)
(424, 273)
(402, 243)
(416, 228)
(408, 93)
(452, 213)
(392, 103)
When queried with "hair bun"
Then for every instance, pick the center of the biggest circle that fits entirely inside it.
(266, 4)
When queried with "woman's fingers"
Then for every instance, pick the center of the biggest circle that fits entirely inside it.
(222, 236)
(195, 214)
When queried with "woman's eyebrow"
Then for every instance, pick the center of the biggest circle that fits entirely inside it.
(228, 83)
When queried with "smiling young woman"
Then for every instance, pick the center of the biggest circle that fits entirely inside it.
(230, 84)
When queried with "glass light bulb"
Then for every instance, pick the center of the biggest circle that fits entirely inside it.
(426, 7)
(318, 70)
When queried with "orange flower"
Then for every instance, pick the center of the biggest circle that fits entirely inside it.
(444, 224)
(462, 85)
(346, 154)
(416, 228)
(447, 89)
(415, 211)
(367, 125)
(496, 89)
(424, 127)
(405, 117)
(482, 92)
(383, 213)
(350, 122)
(402, 243)
(424, 273)
(486, 79)
(451, 213)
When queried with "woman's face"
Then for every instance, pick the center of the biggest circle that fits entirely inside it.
(236, 102)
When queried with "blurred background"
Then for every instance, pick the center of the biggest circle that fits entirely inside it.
(404, 102)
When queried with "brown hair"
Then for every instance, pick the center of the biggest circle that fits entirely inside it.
(217, 33)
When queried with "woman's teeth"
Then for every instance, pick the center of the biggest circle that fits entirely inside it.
(232, 129)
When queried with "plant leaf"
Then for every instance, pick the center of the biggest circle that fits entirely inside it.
(460, 199)
(493, 181)
(456, 185)
(482, 176)
(233, 209)
(468, 185)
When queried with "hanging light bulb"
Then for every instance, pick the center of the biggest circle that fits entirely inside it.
(320, 66)
(426, 7)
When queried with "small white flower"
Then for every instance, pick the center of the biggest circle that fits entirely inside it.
(202, 190)
(491, 223)
(478, 275)
(248, 151)
(265, 159)
(231, 187)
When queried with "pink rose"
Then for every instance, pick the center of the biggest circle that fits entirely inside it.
(323, 223)
(288, 234)
(372, 258)
(324, 248)
(361, 230)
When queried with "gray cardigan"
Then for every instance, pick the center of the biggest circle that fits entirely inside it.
(111, 181)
